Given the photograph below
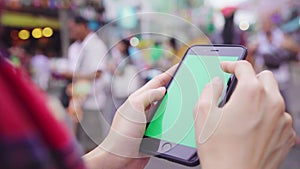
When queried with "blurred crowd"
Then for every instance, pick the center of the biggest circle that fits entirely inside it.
(86, 87)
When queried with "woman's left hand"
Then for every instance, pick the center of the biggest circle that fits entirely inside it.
(120, 149)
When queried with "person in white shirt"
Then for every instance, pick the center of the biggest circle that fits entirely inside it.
(73, 53)
(89, 75)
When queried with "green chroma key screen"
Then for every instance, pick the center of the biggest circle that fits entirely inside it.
(173, 120)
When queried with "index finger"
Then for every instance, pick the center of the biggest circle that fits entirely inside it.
(160, 80)
(241, 69)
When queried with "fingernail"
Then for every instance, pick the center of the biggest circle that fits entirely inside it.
(223, 64)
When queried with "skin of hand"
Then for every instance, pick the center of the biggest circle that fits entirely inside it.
(120, 149)
(254, 132)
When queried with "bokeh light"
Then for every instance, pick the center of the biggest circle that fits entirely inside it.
(134, 41)
(47, 32)
(24, 34)
(244, 25)
(37, 33)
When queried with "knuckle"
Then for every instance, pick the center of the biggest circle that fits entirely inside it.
(243, 63)
(254, 88)
(279, 103)
(259, 88)
(135, 93)
(131, 97)
(159, 79)
(288, 120)
(132, 100)
(267, 73)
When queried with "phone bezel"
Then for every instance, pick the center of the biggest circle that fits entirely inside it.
(206, 50)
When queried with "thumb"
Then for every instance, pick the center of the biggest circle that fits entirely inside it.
(205, 114)
(134, 108)
(152, 95)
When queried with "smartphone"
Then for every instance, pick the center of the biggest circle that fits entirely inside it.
(170, 129)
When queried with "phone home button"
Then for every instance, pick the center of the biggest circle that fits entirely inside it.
(166, 147)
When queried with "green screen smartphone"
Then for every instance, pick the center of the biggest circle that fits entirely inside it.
(170, 129)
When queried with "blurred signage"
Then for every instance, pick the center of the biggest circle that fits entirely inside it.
(16, 4)
(17, 19)
(53, 4)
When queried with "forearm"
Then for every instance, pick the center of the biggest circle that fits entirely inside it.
(74, 76)
(221, 165)
(90, 76)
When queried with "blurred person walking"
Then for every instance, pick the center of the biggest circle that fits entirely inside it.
(274, 50)
(88, 85)
(230, 34)
(40, 69)
(73, 54)
(125, 78)
(170, 54)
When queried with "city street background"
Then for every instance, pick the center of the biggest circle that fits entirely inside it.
(50, 40)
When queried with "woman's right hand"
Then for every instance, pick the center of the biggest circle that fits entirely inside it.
(254, 131)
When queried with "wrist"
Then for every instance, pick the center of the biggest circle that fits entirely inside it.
(100, 158)
(95, 158)
(220, 162)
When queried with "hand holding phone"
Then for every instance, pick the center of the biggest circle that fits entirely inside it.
(170, 132)
(255, 131)
(120, 149)
(254, 125)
